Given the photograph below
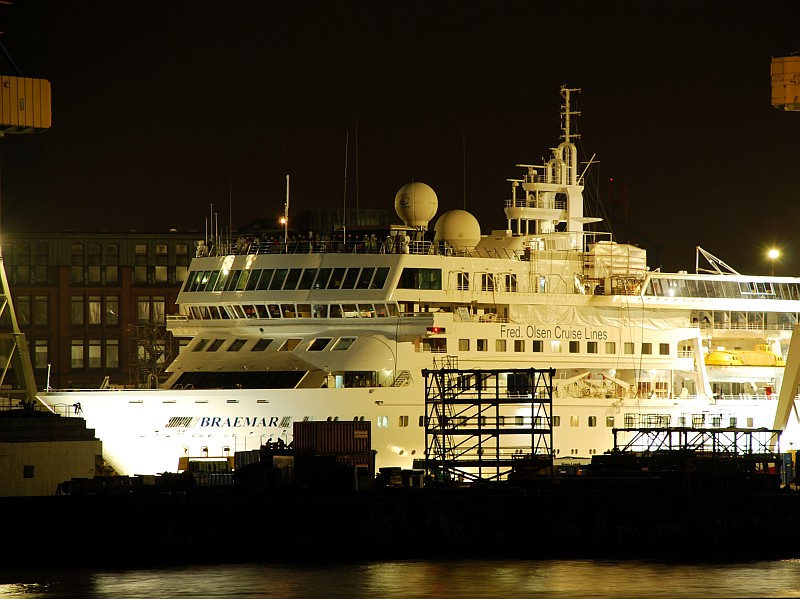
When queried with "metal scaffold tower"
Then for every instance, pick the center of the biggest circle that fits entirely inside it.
(481, 425)
(711, 441)
(150, 353)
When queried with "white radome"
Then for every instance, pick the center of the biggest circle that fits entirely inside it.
(458, 228)
(416, 203)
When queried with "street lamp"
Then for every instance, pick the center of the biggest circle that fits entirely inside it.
(773, 254)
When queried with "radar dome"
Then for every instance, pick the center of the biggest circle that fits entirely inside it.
(416, 204)
(458, 228)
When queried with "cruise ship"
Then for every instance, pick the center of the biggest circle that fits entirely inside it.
(330, 329)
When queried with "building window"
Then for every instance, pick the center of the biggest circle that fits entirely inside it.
(536, 346)
(463, 281)
(574, 347)
(592, 421)
(76, 354)
(95, 354)
(519, 345)
(555, 346)
(483, 345)
(161, 274)
(140, 249)
(112, 353)
(573, 421)
(140, 274)
(611, 348)
(159, 309)
(161, 249)
(499, 345)
(76, 312)
(40, 310)
(663, 349)
(463, 345)
(112, 275)
(556, 421)
(22, 274)
(112, 310)
(647, 348)
(487, 281)
(402, 421)
(628, 348)
(95, 310)
(40, 354)
(23, 305)
(609, 422)
(591, 347)
(143, 310)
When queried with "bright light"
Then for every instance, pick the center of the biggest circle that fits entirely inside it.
(773, 254)
(283, 220)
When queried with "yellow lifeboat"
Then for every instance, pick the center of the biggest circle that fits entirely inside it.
(760, 356)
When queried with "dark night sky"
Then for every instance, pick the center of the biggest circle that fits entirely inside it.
(160, 107)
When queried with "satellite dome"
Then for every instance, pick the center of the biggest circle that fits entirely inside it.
(416, 204)
(458, 228)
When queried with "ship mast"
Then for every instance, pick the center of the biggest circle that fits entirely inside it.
(553, 192)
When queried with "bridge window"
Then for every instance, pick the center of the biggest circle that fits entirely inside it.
(343, 343)
(261, 345)
(215, 345)
(319, 344)
(379, 280)
(237, 344)
(420, 278)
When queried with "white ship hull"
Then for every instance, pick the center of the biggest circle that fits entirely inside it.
(148, 431)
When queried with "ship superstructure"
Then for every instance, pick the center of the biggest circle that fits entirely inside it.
(340, 329)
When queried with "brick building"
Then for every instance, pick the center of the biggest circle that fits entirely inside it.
(94, 305)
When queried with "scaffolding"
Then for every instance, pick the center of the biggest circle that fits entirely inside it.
(713, 441)
(150, 354)
(482, 425)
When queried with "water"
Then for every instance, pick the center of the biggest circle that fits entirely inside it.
(415, 580)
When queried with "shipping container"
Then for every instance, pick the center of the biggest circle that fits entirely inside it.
(24, 105)
(785, 72)
(332, 437)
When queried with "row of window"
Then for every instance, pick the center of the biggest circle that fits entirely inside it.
(261, 344)
(488, 281)
(90, 354)
(631, 420)
(97, 275)
(695, 287)
(92, 310)
(229, 311)
(286, 279)
(556, 346)
(95, 354)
